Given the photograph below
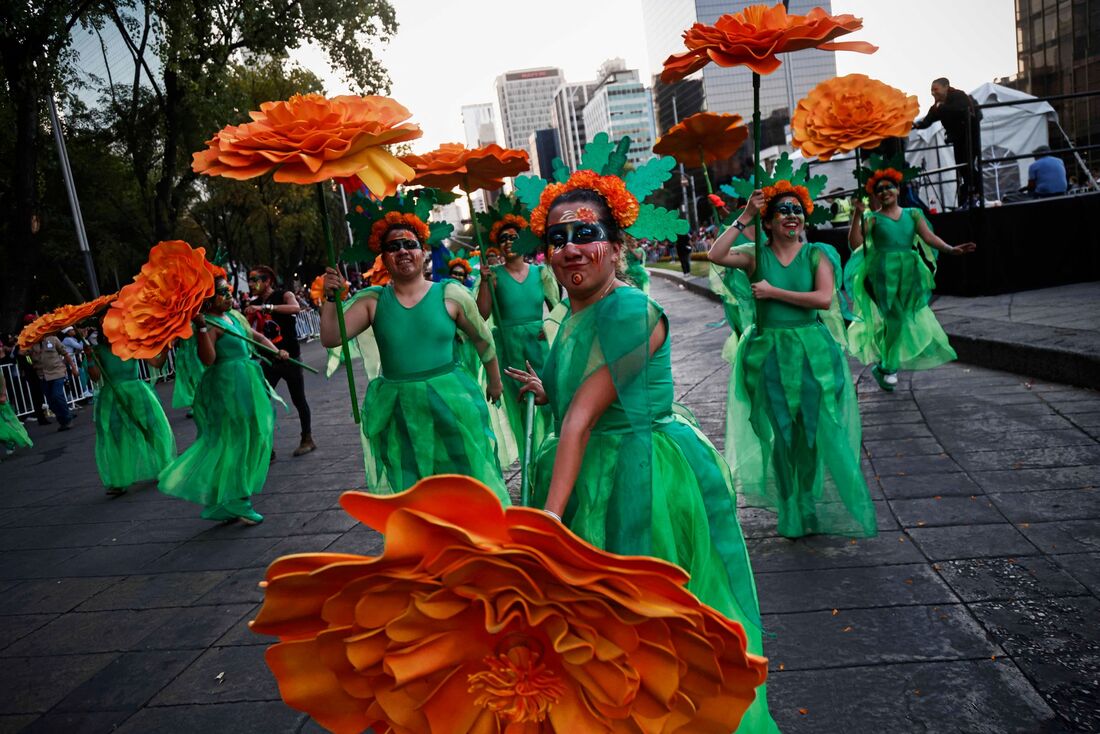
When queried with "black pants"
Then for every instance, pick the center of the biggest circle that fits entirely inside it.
(965, 153)
(295, 383)
(34, 386)
(684, 253)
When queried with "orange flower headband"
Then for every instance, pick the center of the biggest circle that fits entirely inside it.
(623, 205)
(397, 219)
(459, 261)
(886, 173)
(493, 251)
(506, 222)
(784, 187)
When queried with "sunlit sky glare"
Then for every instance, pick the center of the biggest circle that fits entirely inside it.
(447, 53)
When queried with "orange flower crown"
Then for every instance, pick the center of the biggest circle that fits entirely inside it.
(494, 251)
(506, 222)
(459, 261)
(623, 204)
(392, 219)
(783, 187)
(886, 173)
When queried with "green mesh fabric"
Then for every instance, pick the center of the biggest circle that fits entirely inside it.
(189, 369)
(235, 419)
(890, 282)
(636, 274)
(12, 433)
(133, 441)
(650, 483)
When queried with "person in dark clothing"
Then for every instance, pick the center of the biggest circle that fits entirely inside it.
(961, 119)
(271, 312)
(683, 252)
(30, 378)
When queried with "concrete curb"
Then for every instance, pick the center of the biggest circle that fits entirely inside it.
(1023, 354)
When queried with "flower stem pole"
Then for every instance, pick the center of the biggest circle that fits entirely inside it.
(525, 469)
(859, 170)
(757, 169)
(226, 330)
(710, 190)
(327, 229)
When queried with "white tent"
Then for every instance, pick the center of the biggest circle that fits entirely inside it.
(1010, 130)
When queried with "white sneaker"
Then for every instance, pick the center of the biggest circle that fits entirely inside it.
(890, 379)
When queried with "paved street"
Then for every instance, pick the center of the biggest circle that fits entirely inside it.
(974, 610)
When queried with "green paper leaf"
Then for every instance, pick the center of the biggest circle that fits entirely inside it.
(596, 153)
(738, 188)
(485, 221)
(657, 223)
(526, 243)
(647, 178)
(784, 168)
(438, 231)
(616, 162)
(816, 184)
(529, 189)
(358, 252)
(561, 171)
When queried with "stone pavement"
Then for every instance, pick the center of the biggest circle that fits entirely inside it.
(974, 610)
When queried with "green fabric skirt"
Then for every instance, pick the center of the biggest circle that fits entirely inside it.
(890, 291)
(470, 360)
(638, 275)
(235, 419)
(189, 369)
(692, 521)
(793, 432)
(133, 441)
(435, 425)
(516, 345)
(12, 433)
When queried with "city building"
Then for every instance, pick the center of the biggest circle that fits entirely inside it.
(567, 119)
(1058, 52)
(479, 124)
(543, 149)
(525, 98)
(622, 105)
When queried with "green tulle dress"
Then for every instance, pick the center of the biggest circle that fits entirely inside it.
(792, 422)
(235, 418)
(635, 268)
(12, 433)
(890, 282)
(189, 369)
(425, 415)
(133, 441)
(520, 337)
(650, 482)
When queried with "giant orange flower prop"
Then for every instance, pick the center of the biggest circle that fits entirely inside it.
(158, 306)
(309, 138)
(454, 165)
(703, 138)
(60, 318)
(756, 35)
(849, 112)
(481, 619)
(317, 290)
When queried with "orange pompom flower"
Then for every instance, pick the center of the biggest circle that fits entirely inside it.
(157, 308)
(703, 138)
(454, 165)
(506, 222)
(755, 37)
(377, 275)
(410, 222)
(477, 618)
(782, 187)
(460, 261)
(849, 112)
(623, 205)
(310, 138)
(61, 318)
(890, 174)
(317, 289)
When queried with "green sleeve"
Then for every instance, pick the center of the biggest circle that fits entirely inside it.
(483, 339)
(550, 289)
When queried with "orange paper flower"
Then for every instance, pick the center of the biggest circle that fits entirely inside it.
(624, 207)
(377, 275)
(756, 35)
(706, 136)
(391, 219)
(60, 318)
(891, 174)
(849, 112)
(783, 186)
(461, 261)
(158, 306)
(317, 290)
(454, 165)
(508, 220)
(309, 138)
(481, 619)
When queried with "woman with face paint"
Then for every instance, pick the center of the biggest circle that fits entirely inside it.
(793, 432)
(514, 295)
(424, 415)
(234, 416)
(623, 469)
(890, 284)
(635, 256)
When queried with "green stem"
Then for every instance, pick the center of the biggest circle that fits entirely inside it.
(226, 330)
(859, 169)
(710, 189)
(525, 467)
(756, 171)
(327, 229)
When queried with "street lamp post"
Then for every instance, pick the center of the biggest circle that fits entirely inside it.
(74, 202)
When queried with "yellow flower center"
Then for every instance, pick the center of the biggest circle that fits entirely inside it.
(516, 686)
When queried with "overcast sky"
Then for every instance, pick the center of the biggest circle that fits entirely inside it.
(447, 53)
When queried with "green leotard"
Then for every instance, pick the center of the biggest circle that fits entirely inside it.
(12, 433)
(133, 441)
(189, 369)
(890, 283)
(650, 482)
(236, 423)
(424, 415)
(793, 431)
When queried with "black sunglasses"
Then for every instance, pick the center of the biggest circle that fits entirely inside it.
(399, 245)
(579, 233)
(506, 238)
(787, 208)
